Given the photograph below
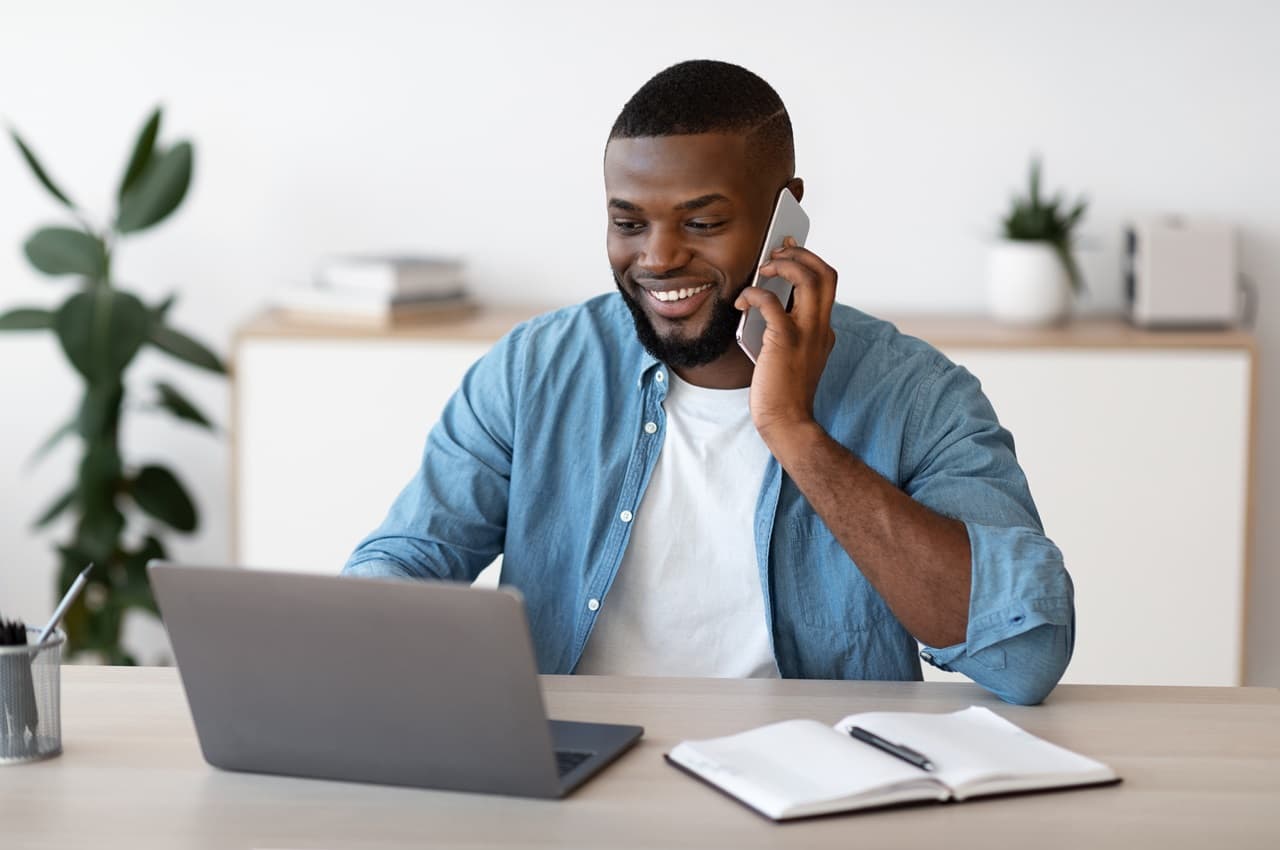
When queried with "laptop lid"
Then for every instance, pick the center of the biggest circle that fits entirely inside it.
(397, 682)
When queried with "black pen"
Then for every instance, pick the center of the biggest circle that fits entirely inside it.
(905, 753)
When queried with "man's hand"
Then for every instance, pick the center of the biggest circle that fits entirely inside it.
(917, 560)
(796, 344)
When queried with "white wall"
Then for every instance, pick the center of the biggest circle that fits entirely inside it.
(478, 128)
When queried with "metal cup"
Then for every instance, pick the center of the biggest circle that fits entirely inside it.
(30, 709)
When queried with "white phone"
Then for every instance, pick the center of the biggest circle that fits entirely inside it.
(788, 220)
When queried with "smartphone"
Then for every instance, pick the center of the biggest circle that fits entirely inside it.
(788, 220)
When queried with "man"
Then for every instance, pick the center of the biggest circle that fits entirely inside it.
(666, 507)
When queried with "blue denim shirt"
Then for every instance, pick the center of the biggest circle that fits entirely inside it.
(544, 452)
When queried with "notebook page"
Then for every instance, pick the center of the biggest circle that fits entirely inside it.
(975, 751)
(796, 766)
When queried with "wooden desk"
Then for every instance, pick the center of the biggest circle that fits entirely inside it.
(1201, 769)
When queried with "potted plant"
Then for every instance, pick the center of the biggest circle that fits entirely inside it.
(1032, 274)
(120, 507)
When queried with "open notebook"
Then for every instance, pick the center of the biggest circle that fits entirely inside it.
(801, 768)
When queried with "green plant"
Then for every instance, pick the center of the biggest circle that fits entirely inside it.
(101, 329)
(1033, 219)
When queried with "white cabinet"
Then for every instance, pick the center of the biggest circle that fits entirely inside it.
(329, 425)
(1136, 446)
(1137, 449)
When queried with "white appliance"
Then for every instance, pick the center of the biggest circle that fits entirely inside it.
(1181, 272)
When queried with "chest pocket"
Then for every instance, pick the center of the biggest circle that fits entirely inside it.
(830, 592)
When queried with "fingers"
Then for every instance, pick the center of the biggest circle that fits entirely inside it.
(809, 259)
(775, 315)
(813, 279)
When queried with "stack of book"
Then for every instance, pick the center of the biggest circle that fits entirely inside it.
(379, 291)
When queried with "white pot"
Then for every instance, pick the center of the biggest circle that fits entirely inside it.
(1027, 284)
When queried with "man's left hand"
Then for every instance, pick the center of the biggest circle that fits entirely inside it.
(796, 344)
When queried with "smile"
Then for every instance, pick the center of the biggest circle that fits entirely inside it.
(678, 294)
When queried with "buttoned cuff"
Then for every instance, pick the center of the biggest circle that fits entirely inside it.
(994, 627)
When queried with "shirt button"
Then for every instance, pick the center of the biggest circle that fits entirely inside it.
(626, 516)
(593, 605)
(927, 656)
(651, 427)
(659, 377)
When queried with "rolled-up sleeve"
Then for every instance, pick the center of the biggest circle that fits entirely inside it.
(1021, 627)
(449, 522)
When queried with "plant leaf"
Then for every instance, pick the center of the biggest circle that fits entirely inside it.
(179, 406)
(54, 510)
(185, 348)
(1063, 249)
(73, 563)
(142, 150)
(136, 590)
(135, 563)
(162, 309)
(26, 319)
(113, 654)
(99, 532)
(159, 190)
(99, 414)
(1077, 212)
(51, 441)
(100, 477)
(65, 250)
(102, 626)
(101, 522)
(1034, 218)
(136, 595)
(101, 330)
(41, 175)
(158, 492)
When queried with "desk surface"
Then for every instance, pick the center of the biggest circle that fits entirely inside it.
(1201, 768)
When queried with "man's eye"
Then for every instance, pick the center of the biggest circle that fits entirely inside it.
(705, 225)
(626, 225)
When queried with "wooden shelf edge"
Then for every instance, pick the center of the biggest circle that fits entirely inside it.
(1085, 332)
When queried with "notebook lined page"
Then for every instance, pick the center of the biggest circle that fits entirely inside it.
(798, 763)
(975, 746)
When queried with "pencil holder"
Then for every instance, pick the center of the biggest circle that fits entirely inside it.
(30, 710)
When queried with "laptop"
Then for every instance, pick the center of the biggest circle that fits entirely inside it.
(417, 683)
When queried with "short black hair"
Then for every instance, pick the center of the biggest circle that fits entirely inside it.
(706, 96)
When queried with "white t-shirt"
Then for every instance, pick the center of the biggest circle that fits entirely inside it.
(687, 599)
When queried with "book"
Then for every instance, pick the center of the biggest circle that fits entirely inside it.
(392, 275)
(367, 309)
(803, 768)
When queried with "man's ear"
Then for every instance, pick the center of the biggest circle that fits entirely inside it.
(796, 185)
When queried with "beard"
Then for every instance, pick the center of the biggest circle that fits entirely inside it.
(684, 353)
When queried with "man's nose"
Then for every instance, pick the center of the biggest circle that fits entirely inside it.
(664, 251)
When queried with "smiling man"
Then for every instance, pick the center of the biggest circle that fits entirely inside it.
(669, 508)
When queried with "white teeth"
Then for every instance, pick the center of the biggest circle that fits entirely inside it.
(679, 294)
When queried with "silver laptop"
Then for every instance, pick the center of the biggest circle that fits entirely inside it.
(397, 682)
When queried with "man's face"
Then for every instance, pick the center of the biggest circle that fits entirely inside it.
(687, 215)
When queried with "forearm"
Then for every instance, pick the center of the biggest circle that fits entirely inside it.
(918, 560)
(1021, 615)
(405, 545)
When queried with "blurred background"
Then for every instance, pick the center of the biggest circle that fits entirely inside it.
(476, 130)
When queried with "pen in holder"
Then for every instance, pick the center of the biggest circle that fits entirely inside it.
(30, 676)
